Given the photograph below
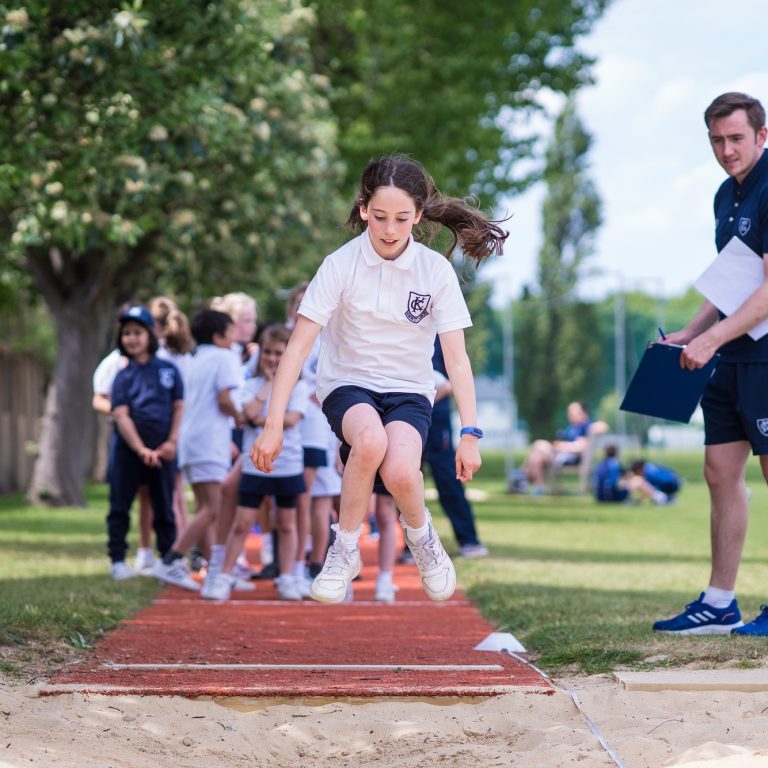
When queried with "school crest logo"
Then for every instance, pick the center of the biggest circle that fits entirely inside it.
(418, 306)
(744, 225)
(167, 378)
(762, 425)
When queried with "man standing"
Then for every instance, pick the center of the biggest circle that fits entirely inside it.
(735, 403)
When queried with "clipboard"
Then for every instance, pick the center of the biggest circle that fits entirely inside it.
(661, 388)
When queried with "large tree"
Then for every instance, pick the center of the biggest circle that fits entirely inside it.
(449, 81)
(557, 342)
(173, 141)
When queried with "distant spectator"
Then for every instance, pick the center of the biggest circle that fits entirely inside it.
(665, 482)
(565, 450)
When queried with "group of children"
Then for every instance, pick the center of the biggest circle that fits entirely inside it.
(364, 386)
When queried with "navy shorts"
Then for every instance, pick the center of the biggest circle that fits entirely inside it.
(315, 457)
(286, 490)
(412, 408)
(735, 406)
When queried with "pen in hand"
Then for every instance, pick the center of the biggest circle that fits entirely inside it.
(662, 334)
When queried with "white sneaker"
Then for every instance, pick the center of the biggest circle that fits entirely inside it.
(217, 587)
(436, 570)
(286, 587)
(241, 585)
(340, 567)
(385, 592)
(242, 569)
(121, 571)
(177, 573)
(303, 585)
(145, 559)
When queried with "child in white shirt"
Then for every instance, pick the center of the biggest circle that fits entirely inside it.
(379, 301)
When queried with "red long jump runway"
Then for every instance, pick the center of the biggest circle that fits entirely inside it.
(255, 645)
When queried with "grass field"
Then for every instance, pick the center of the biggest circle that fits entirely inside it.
(578, 583)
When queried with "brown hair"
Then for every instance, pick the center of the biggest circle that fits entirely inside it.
(727, 103)
(178, 337)
(478, 236)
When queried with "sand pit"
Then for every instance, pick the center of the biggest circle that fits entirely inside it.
(703, 729)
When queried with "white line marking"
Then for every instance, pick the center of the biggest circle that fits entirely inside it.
(314, 603)
(237, 690)
(343, 667)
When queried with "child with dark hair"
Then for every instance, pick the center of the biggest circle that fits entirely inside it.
(147, 404)
(204, 438)
(379, 301)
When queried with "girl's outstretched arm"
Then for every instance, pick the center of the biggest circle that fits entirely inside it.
(267, 445)
(460, 375)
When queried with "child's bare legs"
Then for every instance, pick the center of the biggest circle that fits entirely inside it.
(303, 522)
(322, 511)
(145, 518)
(228, 506)
(287, 540)
(207, 506)
(145, 552)
(401, 472)
(367, 437)
(180, 511)
(241, 525)
(386, 520)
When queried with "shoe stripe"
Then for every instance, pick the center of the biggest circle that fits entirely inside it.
(708, 615)
(694, 618)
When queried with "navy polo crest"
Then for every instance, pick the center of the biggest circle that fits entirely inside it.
(762, 425)
(418, 306)
(744, 225)
(167, 378)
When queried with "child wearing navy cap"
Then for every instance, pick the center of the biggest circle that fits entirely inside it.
(147, 403)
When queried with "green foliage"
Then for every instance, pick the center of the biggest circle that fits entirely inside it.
(447, 82)
(168, 144)
(557, 351)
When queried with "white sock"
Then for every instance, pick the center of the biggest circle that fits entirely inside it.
(384, 577)
(415, 535)
(298, 569)
(718, 598)
(267, 549)
(347, 538)
(218, 553)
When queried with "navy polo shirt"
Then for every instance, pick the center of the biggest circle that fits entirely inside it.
(741, 210)
(149, 390)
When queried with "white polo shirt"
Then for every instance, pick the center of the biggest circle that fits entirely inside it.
(380, 317)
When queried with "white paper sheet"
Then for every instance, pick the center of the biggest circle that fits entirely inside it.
(732, 278)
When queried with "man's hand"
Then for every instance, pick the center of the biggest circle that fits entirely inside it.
(698, 352)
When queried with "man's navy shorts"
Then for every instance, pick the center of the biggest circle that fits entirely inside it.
(315, 457)
(412, 408)
(735, 406)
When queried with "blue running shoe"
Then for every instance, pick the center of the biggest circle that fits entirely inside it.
(699, 618)
(757, 627)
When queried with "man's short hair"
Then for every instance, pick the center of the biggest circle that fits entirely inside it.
(727, 103)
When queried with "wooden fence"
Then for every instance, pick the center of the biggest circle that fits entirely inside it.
(22, 400)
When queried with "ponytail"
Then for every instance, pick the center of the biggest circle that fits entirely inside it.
(478, 236)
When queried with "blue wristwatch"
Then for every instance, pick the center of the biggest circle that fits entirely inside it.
(474, 431)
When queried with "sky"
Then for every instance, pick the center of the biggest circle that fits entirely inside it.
(659, 65)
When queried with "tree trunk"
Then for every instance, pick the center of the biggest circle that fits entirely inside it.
(65, 446)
